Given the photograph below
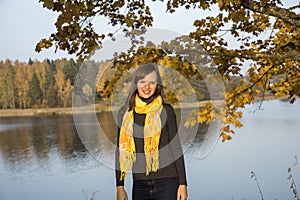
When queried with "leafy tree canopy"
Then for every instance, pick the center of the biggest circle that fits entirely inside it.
(261, 36)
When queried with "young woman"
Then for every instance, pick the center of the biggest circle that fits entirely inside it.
(148, 142)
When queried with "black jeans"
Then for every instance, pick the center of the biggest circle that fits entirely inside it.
(156, 189)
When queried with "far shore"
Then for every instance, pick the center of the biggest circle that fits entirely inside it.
(96, 108)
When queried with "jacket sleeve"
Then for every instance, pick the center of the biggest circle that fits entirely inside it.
(117, 163)
(176, 146)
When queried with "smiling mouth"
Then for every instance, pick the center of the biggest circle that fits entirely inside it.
(146, 91)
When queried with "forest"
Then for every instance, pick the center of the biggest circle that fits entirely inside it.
(37, 84)
(50, 84)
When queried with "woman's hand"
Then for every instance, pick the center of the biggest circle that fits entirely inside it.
(182, 192)
(121, 193)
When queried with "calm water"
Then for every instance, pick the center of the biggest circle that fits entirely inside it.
(44, 158)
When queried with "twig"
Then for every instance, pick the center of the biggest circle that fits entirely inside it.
(290, 177)
(254, 83)
(263, 96)
(294, 7)
(253, 176)
(85, 193)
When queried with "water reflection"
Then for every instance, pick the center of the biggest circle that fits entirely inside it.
(30, 142)
(33, 141)
(38, 153)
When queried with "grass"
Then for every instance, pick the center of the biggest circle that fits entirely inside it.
(86, 194)
(291, 178)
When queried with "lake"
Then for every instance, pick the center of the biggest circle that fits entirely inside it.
(44, 157)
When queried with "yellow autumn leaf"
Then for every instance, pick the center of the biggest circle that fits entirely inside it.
(220, 4)
(225, 137)
(237, 124)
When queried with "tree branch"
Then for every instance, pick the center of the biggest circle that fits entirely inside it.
(291, 54)
(254, 83)
(294, 7)
(284, 14)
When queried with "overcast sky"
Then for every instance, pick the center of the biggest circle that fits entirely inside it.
(25, 22)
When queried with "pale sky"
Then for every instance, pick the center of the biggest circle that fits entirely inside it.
(25, 22)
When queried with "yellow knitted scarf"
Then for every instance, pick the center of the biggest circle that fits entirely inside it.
(152, 131)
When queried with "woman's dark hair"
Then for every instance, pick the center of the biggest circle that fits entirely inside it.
(140, 73)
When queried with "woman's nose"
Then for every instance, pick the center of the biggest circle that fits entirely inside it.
(147, 85)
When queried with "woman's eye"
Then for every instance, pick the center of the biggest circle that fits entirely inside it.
(150, 82)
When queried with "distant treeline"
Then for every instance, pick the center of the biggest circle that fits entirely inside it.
(50, 84)
(36, 84)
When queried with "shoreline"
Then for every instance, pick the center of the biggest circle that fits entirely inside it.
(98, 108)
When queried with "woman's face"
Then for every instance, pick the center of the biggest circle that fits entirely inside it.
(147, 86)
